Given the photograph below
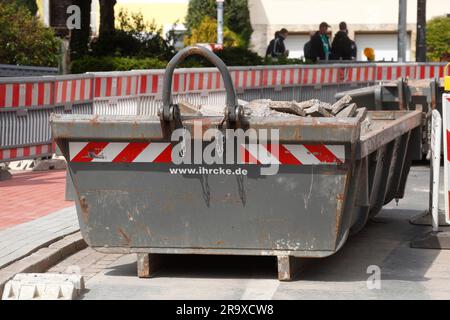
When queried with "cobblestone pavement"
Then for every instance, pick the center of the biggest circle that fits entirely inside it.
(88, 261)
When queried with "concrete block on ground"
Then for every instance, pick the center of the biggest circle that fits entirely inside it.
(44, 286)
(50, 164)
(5, 174)
(22, 165)
(425, 219)
(433, 240)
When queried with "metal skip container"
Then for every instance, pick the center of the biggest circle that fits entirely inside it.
(298, 191)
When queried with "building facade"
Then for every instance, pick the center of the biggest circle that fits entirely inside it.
(371, 24)
(168, 14)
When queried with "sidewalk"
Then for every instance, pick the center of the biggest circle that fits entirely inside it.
(21, 240)
(33, 213)
(30, 195)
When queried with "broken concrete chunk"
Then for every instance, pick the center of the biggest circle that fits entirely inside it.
(348, 111)
(340, 104)
(188, 108)
(326, 106)
(361, 113)
(317, 111)
(287, 107)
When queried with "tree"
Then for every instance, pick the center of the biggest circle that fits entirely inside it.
(107, 18)
(206, 32)
(30, 4)
(79, 38)
(24, 38)
(236, 16)
(438, 39)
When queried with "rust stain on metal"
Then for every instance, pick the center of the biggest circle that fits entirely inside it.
(84, 209)
(124, 236)
(339, 211)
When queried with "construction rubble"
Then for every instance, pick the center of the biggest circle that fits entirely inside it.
(343, 108)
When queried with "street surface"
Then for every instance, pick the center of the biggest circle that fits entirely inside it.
(406, 273)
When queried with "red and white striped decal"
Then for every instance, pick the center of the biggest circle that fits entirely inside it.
(161, 152)
(26, 94)
(26, 152)
(73, 90)
(446, 120)
(293, 154)
(116, 86)
(121, 152)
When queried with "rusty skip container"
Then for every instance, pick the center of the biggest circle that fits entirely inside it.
(403, 94)
(332, 175)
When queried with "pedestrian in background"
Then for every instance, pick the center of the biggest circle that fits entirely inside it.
(277, 48)
(307, 53)
(320, 43)
(343, 48)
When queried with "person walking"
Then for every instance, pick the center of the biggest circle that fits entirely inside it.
(320, 43)
(277, 48)
(342, 47)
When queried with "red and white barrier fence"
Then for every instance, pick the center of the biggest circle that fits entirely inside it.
(73, 89)
(108, 89)
(27, 93)
(26, 152)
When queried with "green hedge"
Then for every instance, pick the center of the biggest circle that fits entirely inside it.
(92, 64)
(231, 57)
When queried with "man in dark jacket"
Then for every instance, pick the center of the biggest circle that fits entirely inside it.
(276, 48)
(343, 48)
(320, 43)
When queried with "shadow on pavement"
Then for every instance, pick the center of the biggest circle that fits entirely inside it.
(384, 242)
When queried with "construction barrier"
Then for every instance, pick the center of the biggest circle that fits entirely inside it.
(446, 110)
(26, 103)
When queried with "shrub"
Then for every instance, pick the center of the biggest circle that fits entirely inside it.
(206, 32)
(285, 61)
(239, 57)
(24, 38)
(438, 39)
(93, 64)
(133, 38)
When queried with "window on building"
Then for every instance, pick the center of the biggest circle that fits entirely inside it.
(295, 43)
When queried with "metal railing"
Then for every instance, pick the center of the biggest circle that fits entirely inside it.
(8, 70)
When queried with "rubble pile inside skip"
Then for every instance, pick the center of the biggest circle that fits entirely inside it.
(343, 108)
